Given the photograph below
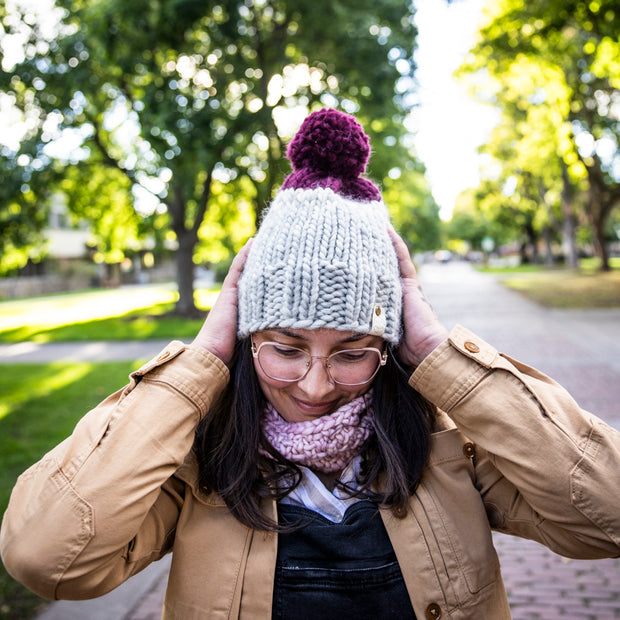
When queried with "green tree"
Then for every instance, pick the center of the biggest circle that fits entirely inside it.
(527, 150)
(21, 219)
(102, 196)
(415, 214)
(472, 221)
(555, 74)
(185, 98)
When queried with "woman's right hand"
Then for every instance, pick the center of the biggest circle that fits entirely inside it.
(218, 333)
(422, 329)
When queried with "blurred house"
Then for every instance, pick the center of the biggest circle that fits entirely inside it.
(68, 263)
(64, 241)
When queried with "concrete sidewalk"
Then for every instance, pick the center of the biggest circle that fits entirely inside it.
(580, 349)
(91, 351)
(123, 602)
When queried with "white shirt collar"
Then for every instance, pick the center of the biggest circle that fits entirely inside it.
(313, 494)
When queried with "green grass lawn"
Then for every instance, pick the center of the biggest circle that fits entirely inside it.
(564, 288)
(39, 406)
(152, 322)
(101, 315)
(570, 290)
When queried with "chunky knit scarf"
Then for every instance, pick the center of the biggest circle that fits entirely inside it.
(326, 444)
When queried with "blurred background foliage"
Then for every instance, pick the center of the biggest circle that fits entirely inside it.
(163, 125)
(178, 113)
(552, 68)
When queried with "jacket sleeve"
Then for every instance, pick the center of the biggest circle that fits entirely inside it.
(546, 469)
(104, 503)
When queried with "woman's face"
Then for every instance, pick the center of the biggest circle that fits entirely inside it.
(314, 395)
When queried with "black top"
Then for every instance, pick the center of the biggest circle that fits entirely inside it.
(338, 570)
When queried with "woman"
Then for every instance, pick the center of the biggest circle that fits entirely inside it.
(324, 447)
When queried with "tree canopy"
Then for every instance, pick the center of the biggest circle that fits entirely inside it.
(553, 68)
(181, 109)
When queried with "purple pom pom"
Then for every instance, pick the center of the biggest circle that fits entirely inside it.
(332, 142)
(331, 150)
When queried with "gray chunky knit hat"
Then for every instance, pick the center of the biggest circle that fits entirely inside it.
(322, 256)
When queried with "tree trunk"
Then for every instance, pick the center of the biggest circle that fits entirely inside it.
(187, 238)
(532, 241)
(600, 242)
(601, 200)
(597, 214)
(569, 242)
(546, 235)
(185, 275)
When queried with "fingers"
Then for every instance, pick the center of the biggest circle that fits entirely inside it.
(407, 269)
(236, 267)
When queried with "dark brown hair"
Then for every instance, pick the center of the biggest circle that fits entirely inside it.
(228, 438)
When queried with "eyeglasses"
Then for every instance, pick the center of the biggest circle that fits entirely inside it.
(348, 367)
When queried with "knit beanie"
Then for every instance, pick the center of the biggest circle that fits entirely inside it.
(322, 256)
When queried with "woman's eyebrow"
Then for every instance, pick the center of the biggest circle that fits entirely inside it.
(355, 338)
(285, 332)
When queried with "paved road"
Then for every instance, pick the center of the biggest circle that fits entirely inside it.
(580, 349)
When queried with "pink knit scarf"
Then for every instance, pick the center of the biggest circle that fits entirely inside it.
(326, 444)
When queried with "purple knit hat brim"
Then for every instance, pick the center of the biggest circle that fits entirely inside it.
(356, 189)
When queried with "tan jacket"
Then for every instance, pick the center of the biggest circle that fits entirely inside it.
(516, 454)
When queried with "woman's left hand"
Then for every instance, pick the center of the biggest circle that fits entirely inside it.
(422, 330)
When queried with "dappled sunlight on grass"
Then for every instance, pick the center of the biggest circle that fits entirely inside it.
(37, 384)
(560, 287)
(29, 320)
(41, 404)
(134, 325)
(586, 266)
(593, 264)
(82, 307)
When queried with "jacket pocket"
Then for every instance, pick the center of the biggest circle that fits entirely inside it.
(453, 518)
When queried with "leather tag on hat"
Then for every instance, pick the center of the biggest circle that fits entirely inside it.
(378, 323)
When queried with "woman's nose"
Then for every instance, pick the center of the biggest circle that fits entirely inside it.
(317, 381)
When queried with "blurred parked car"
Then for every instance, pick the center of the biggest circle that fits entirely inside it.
(443, 256)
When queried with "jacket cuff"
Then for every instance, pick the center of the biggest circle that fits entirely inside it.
(453, 368)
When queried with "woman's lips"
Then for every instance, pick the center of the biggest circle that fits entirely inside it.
(314, 408)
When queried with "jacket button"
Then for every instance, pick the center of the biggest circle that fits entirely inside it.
(433, 611)
(472, 347)
(469, 450)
